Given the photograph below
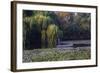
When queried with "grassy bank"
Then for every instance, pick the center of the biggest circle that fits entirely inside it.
(60, 55)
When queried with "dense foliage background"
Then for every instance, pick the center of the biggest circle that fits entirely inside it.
(44, 29)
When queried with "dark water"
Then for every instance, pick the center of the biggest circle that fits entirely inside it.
(74, 44)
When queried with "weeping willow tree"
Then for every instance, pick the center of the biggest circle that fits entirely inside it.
(41, 23)
(26, 29)
(52, 33)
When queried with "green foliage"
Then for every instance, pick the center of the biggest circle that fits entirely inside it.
(41, 22)
(52, 32)
(84, 20)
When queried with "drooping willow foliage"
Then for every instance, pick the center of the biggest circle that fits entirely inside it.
(52, 34)
(38, 28)
(42, 29)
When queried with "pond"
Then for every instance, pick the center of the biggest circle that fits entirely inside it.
(75, 43)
